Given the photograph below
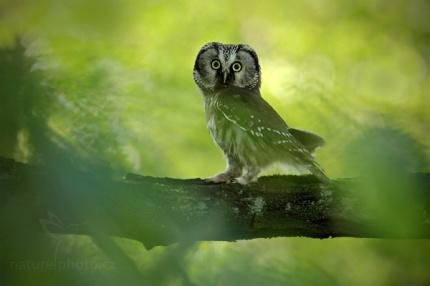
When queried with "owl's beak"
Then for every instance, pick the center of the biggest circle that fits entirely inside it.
(225, 76)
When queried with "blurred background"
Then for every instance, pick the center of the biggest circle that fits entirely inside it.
(108, 85)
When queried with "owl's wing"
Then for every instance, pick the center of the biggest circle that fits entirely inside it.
(252, 114)
(249, 111)
(310, 140)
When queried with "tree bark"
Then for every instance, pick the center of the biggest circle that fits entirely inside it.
(160, 211)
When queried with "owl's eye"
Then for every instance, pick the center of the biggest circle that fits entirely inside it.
(215, 64)
(236, 67)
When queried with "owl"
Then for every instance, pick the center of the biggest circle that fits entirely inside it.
(248, 130)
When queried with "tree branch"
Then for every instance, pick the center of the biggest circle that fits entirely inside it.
(160, 211)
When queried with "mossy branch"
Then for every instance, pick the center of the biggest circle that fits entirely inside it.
(160, 211)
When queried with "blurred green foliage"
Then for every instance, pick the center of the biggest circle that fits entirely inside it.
(108, 84)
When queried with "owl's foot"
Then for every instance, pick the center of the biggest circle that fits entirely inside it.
(250, 176)
(227, 176)
(221, 178)
(244, 180)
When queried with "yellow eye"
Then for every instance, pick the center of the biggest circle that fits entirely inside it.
(236, 67)
(215, 64)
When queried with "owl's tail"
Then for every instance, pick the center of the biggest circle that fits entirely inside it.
(318, 172)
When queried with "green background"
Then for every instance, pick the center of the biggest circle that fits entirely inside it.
(108, 85)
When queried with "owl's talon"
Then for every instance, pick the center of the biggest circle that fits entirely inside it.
(220, 178)
(240, 181)
(245, 180)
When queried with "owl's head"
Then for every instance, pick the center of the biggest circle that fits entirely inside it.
(221, 66)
